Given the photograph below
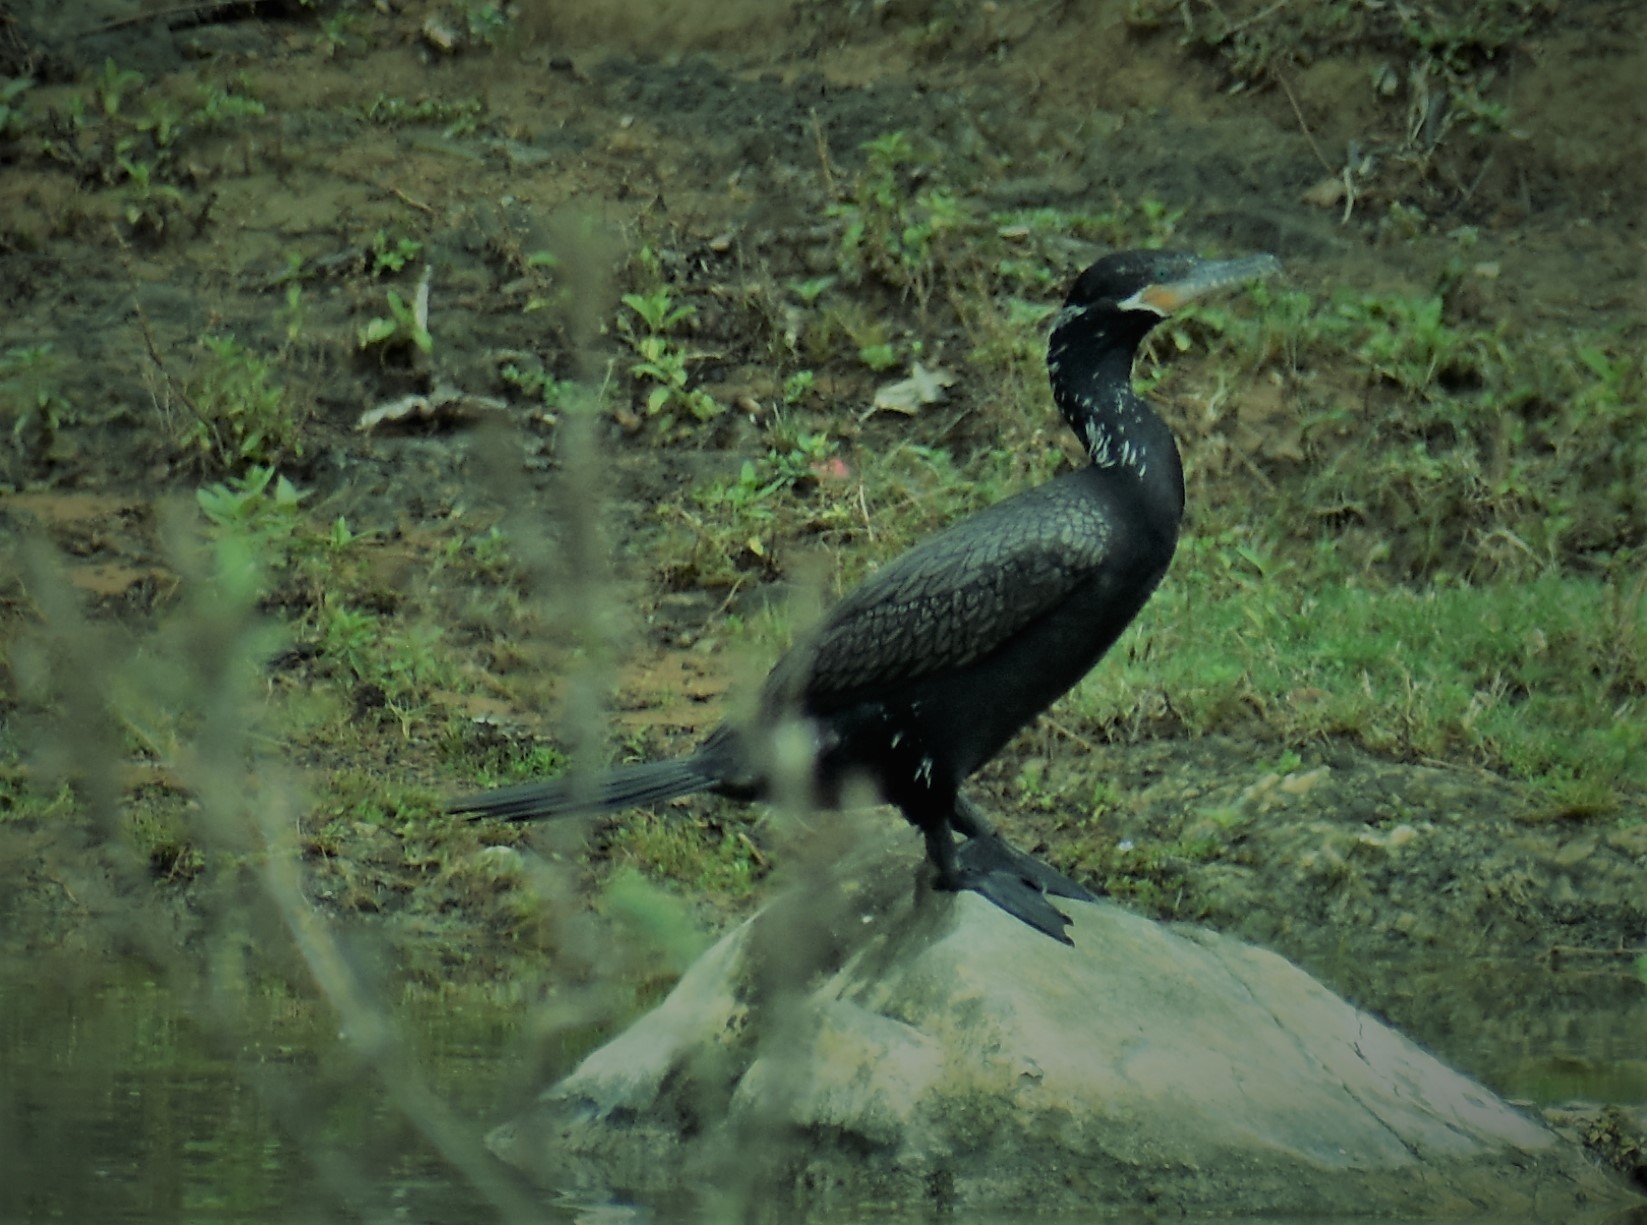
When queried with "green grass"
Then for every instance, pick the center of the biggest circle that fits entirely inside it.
(1537, 681)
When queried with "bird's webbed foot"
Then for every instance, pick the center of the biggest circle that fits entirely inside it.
(986, 850)
(991, 868)
(1020, 898)
(994, 854)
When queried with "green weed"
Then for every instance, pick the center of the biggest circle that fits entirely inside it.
(554, 394)
(219, 106)
(391, 254)
(545, 295)
(402, 334)
(798, 386)
(29, 396)
(241, 418)
(458, 116)
(13, 119)
(339, 33)
(661, 363)
(891, 228)
(148, 205)
(238, 504)
(658, 309)
(112, 87)
(487, 22)
(810, 289)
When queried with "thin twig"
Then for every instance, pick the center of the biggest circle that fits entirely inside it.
(1067, 734)
(1255, 18)
(823, 155)
(406, 199)
(172, 381)
(1304, 127)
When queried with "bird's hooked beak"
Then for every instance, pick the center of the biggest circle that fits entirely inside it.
(1203, 277)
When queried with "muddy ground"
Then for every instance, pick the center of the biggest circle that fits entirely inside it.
(715, 136)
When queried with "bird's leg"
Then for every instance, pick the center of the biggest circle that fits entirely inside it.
(1000, 880)
(940, 852)
(969, 819)
(987, 851)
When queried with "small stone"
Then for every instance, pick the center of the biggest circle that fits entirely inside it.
(1298, 784)
(1631, 841)
(1400, 836)
(1574, 853)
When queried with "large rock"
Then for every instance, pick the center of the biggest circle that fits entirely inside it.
(864, 1042)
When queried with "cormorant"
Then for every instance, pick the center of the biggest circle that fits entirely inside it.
(921, 674)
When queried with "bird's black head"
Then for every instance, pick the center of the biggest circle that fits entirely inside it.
(1121, 297)
(1111, 307)
(1153, 284)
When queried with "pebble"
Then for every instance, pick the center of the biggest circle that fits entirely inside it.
(1631, 841)
(1574, 853)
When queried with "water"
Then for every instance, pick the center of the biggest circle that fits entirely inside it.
(120, 1104)
(121, 1107)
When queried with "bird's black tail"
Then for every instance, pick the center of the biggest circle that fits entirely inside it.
(582, 794)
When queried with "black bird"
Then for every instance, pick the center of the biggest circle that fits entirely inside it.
(923, 673)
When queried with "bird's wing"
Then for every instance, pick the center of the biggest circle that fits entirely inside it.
(949, 601)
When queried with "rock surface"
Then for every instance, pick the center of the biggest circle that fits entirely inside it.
(862, 1042)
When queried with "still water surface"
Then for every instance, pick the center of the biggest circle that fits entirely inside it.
(119, 1106)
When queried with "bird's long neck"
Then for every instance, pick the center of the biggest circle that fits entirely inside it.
(1090, 361)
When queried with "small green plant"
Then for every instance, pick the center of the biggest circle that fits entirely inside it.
(545, 294)
(262, 512)
(879, 357)
(460, 116)
(12, 119)
(811, 289)
(660, 361)
(1408, 341)
(890, 228)
(241, 415)
(113, 85)
(538, 383)
(734, 518)
(392, 254)
(29, 396)
(239, 504)
(489, 554)
(402, 330)
(659, 311)
(487, 21)
(147, 204)
(397, 664)
(339, 33)
(1161, 221)
(162, 121)
(219, 106)
(798, 386)
(352, 640)
(665, 366)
